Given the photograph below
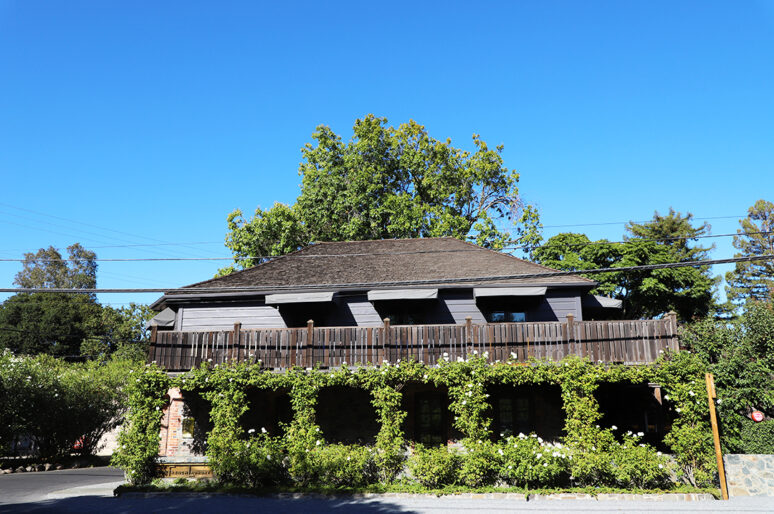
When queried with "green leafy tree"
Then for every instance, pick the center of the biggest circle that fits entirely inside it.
(740, 353)
(48, 269)
(389, 182)
(645, 293)
(52, 323)
(753, 280)
(120, 333)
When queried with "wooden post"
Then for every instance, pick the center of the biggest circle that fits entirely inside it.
(153, 351)
(671, 318)
(235, 339)
(385, 340)
(468, 329)
(715, 435)
(309, 350)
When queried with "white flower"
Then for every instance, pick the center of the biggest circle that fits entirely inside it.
(485, 355)
(425, 377)
(268, 457)
(614, 427)
(691, 393)
(251, 431)
(348, 457)
(445, 354)
(522, 436)
(666, 397)
(510, 467)
(540, 440)
(718, 401)
(464, 402)
(660, 466)
(460, 359)
(545, 464)
(539, 455)
(678, 409)
(263, 430)
(475, 352)
(500, 451)
(640, 434)
(317, 443)
(344, 363)
(658, 453)
(513, 355)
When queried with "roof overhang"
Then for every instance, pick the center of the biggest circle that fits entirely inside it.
(402, 294)
(603, 302)
(479, 292)
(165, 318)
(307, 297)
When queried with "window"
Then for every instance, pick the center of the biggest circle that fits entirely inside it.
(188, 427)
(507, 317)
(429, 427)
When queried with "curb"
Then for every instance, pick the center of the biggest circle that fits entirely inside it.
(688, 497)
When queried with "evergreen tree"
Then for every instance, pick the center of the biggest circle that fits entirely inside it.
(753, 280)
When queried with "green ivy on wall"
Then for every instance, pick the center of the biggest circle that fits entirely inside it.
(588, 454)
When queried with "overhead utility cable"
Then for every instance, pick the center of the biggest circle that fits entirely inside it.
(362, 254)
(248, 289)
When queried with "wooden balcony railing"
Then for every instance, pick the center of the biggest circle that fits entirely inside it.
(630, 342)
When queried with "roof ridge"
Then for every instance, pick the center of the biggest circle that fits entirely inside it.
(238, 272)
(524, 260)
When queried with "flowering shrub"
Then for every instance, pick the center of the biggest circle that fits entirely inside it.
(434, 466)
(588, 454)
(60, 407)
(528, 461)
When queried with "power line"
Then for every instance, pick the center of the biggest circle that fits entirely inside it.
(362, 254)
(249, 289)
(625, 222)
(637, 239)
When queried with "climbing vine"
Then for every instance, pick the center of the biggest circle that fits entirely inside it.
(587, 454)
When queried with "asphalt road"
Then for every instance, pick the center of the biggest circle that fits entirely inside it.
(26, 487)
(79, 491)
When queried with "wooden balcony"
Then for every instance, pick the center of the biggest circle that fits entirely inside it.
(628, 342)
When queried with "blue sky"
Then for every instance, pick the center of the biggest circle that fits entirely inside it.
(148, 122)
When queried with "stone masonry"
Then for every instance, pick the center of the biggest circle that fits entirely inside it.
(749, 475)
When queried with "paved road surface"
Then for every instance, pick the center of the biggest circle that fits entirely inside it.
(88, 490)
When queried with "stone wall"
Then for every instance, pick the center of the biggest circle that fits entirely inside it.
(749, 475)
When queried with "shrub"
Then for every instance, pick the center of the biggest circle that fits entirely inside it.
(62, 408)
(528, 461)
(345, 465)
(638, 465)
(434, 466)
(480, 464)
(758, 437)
(260, 462)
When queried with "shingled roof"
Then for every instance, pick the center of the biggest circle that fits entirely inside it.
(390, 263)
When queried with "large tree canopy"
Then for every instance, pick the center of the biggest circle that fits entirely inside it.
(389, 182)
(48, 269)
(753, 280)
(68, 324)
(688, 291)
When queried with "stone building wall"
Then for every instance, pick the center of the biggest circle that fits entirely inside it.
(749, 475)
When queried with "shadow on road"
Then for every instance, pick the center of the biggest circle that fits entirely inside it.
(203, 503)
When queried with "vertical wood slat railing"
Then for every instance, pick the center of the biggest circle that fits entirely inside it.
(629, 342)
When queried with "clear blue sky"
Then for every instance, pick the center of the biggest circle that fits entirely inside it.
(147, 122)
